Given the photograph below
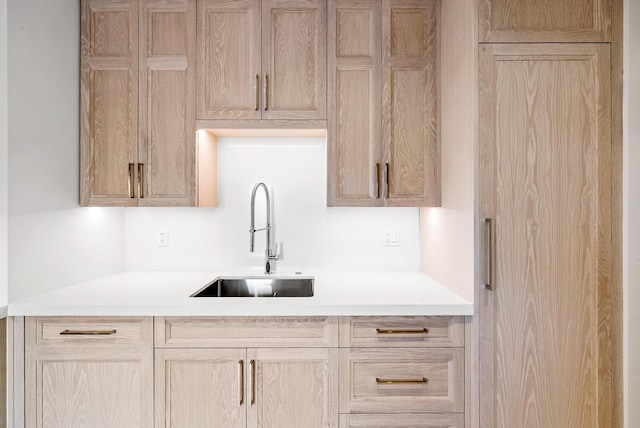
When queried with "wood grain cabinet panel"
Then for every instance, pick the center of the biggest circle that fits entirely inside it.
(262, 59)
(137, 103)
(402, 331)
(167, 142)
(86, 384)
(200, 388)
(545, 21)
(383, 102)
(545, 148)
(109, 101)
(402, 380)
(434, 420)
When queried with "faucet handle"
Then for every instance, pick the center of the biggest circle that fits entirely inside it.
(275, 255)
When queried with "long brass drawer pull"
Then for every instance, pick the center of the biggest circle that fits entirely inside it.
(266, 92)
(241, 380)
(405, 331)
(87, 332)
(252, 366)
(401, 381)
(141, 180)
(377, 181)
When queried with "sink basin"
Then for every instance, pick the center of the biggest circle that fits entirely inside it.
(257, 287)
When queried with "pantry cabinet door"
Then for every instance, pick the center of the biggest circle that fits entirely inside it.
(165, 174)
(547, 353)
(294, 59)
(229, 70)
(200, 388)
(108, 102)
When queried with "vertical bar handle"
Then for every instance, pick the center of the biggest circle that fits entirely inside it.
(130, 182)
(241, 380)
(266, 92)
(141, 180)
(257, 92)
(252, 366)
(386, 179)
(377, 181)
(489, 252)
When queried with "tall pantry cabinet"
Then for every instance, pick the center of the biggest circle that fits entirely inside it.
(549, 344)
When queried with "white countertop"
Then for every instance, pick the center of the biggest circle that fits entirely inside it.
(149, 293)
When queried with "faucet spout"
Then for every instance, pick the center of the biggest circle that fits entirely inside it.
(269, 254)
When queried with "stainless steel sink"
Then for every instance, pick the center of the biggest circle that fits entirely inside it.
(257, 287)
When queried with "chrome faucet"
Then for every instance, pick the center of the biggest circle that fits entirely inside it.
(270, 255)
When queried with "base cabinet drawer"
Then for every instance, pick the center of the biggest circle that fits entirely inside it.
(402, 331)
(433, 420)
(402, 380)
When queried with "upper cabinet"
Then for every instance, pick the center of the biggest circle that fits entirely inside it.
(383, 103)
(545, 21)
(138, 103)
(261, 59)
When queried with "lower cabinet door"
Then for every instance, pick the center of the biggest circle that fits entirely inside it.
(293, 387)
(200, 388)
(436, 420)
(88, 388)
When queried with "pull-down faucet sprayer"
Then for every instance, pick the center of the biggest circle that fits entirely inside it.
(269, 254)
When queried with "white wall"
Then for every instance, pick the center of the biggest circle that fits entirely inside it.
(313, 235)
(51, 241)
(3, 154)
(631, 216)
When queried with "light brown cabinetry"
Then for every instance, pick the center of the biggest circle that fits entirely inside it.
(246, 386)
(383, 103)
(88, 372)
(262, 59)
(137, 103)
(547, 351)
(545, 21)
(408, 367)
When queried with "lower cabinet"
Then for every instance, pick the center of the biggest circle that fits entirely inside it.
(83, 372)
(226, 372)
(255, 387)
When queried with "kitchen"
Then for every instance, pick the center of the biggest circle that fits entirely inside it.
(52, 243)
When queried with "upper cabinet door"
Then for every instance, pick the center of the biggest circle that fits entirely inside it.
(229, 71)
(354, 103)
(294, 59)
(545, 20)
(109, 102)
(410, 102)
(165, 173)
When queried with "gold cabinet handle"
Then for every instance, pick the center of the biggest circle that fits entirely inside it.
(401, 381)
(257, 93)
(141, 180)
(386, 179)
(403, 331)
(241, 380)
(490, 239)
(88, 332)
(131, 191)
(252, 366)
(377, 181)
(266, 92)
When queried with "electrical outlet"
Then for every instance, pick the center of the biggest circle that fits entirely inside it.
(163, 238)
(391, 238)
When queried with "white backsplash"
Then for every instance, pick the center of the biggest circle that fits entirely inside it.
(313, 236)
